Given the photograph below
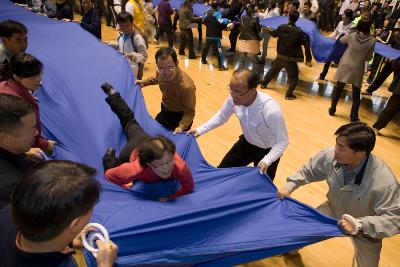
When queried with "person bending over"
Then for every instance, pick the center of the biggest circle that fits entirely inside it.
(144, 158)
(50, 206)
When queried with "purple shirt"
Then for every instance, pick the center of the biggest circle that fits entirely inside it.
(164, 12)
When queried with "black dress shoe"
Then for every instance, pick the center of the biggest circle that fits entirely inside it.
(331, 111)
(290, 97)
(107, 88)
(264, 85)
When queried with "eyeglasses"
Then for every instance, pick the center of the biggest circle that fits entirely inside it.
(166, 70)
(167, 162)
(236, 94)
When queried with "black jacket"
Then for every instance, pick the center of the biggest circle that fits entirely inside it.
(290, 40)
(92, 23)
(235, 11)
(249, 28)
(12, 167)
(12, 256)
(213, 27)
(64, 11)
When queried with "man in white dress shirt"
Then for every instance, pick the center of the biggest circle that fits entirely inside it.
(264, 135)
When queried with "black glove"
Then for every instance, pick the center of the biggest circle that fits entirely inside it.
(110, 160)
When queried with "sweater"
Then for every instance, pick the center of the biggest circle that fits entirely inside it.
(133, 171)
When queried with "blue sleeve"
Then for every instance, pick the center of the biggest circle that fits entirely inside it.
(221, 20)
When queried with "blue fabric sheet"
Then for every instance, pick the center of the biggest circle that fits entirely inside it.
(232, 217)
(325, 49)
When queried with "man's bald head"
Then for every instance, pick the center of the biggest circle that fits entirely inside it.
(249, 76)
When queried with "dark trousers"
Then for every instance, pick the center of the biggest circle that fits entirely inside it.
(111, 12)
(356, 99)
(216, 43)
(375, 67)
(135, 134)
(391, 109)
(325, 70)
(243, 153)
(307, 49)
(103, 11)
(167, 28)
(200, 33)
(170, 119)
(187, 39)
(380, 78)
(323, 21)
(292, 71)
(233, 35)
(246, 59)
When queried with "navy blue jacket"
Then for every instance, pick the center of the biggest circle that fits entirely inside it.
(91, 22)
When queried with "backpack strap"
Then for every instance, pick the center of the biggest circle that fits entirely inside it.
(132, 40)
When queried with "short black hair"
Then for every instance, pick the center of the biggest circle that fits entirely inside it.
(214, 4)
(295, 3)
(124, 17)
(166, 52)
(364, 26)
(149, 150)
(25, 65)
(348, 13)
(308, 3)
(250, 8)
(293, 16)
(359, 136)
(50, 196)
(272, 4)
(252, 79)
(9, 27)
(12, 110)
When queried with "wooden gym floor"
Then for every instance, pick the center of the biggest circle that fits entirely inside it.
(310, 130)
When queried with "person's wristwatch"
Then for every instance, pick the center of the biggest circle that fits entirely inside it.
(359, 224)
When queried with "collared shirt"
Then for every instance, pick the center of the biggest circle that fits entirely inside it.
(375, 201)
(262, 124)
(342, 29)
(350, 176)
(178, 95)
(269, 13)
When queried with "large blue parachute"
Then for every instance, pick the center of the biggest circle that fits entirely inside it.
(324, 49)
(233, 216)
